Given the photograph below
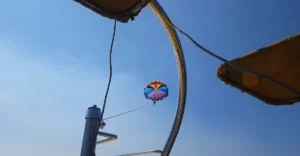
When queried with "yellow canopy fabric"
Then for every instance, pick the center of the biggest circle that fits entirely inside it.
(121, 10)
(280, 61)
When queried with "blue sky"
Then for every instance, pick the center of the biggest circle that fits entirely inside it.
(54, 64)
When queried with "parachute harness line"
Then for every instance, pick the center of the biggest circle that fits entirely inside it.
(237, 67)
(110, 70)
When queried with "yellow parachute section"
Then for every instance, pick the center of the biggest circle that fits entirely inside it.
(280, 61)
(121, 10)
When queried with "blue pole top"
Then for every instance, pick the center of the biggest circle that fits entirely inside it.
(93, 113)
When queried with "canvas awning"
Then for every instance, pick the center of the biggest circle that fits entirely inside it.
(280, 61)
(121, 10)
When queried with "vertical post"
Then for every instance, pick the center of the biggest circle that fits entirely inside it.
(92, 124)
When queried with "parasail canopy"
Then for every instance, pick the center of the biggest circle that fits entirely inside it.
(120, 10)
(156, 91)
(280, 61)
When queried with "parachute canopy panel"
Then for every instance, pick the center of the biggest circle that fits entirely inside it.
(121, 10)
(280, 61)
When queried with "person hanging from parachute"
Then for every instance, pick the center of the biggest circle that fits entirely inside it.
(156, 91)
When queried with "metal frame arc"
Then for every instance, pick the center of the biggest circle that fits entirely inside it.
(182, 76)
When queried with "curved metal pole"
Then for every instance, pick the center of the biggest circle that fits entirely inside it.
(162, 16)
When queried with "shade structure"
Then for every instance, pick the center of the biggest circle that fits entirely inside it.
(120, 10)
(280, 61)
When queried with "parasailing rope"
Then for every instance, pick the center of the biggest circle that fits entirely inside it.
(123, 113)
(234, 66)
(110, 69)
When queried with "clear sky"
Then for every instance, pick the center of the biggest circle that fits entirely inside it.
(54, 64)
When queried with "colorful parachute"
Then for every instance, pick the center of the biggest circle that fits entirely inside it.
(156, 91)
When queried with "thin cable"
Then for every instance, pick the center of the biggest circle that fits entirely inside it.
(123, 113)
(110, 68)
(237, 67)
